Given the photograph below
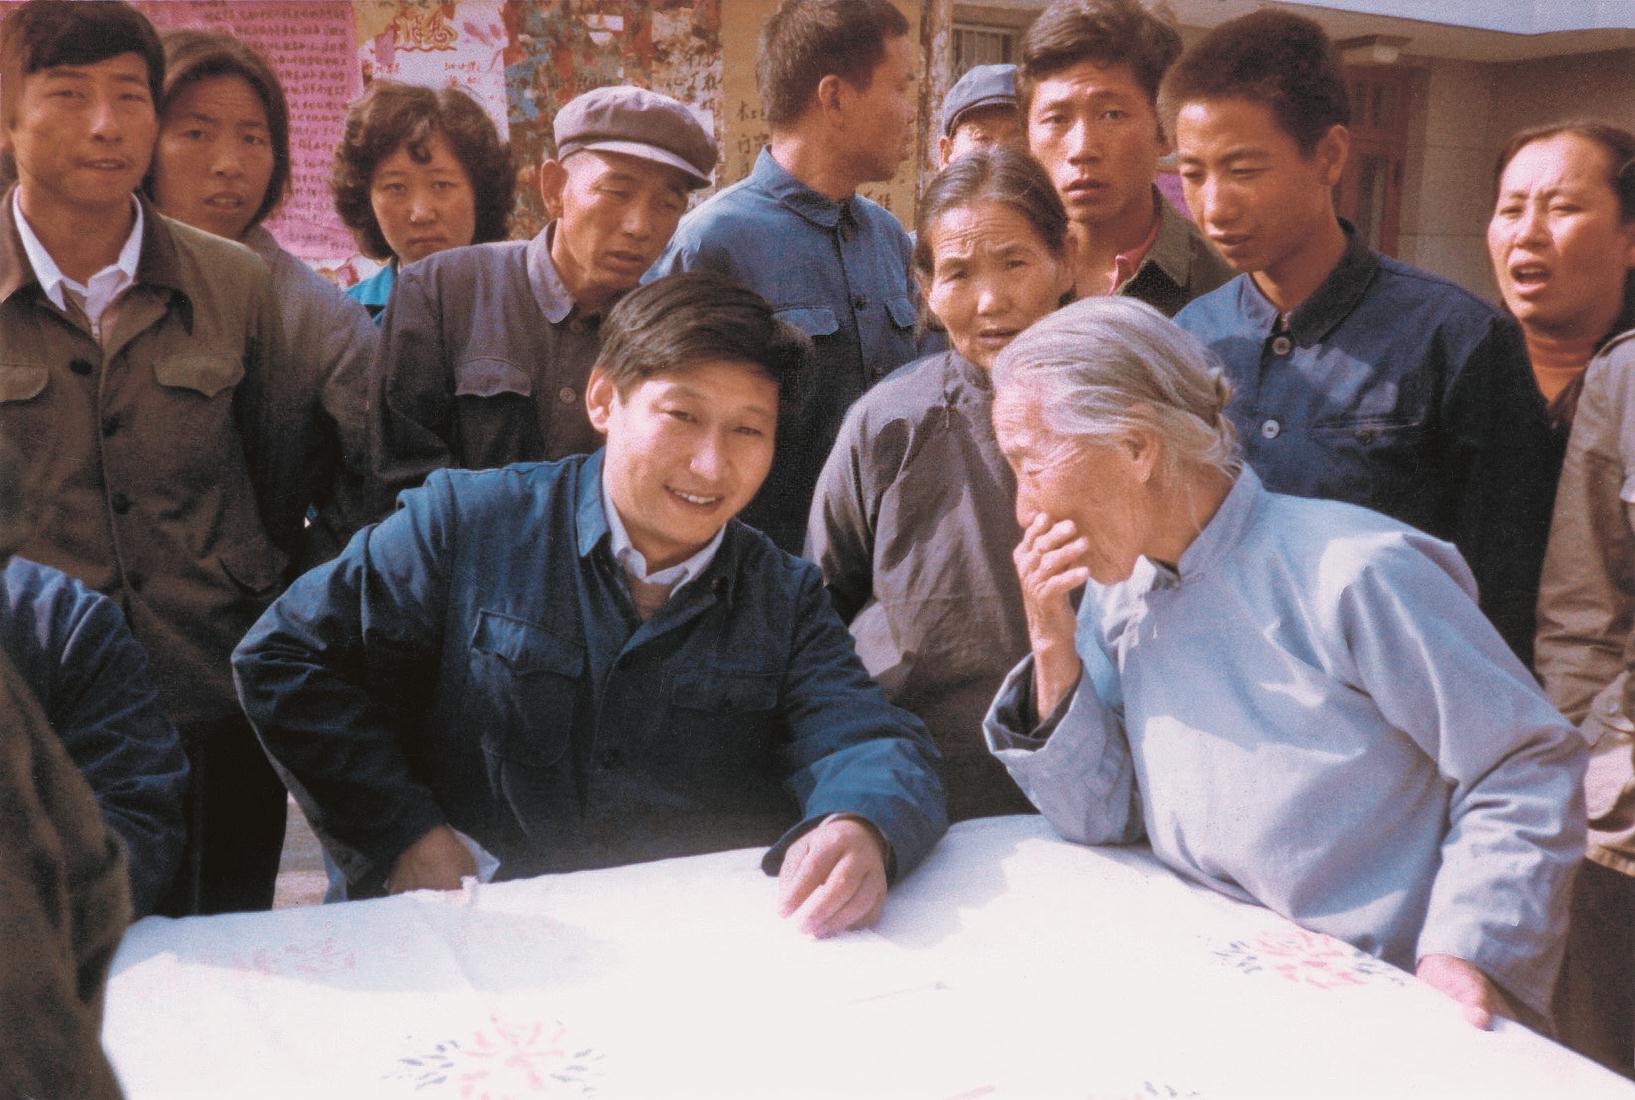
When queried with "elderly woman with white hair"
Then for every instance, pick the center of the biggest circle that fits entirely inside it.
(1297, 702)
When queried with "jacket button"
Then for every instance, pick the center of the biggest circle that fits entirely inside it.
(120, 503)
(1366, 436)
(860, 302)
(81, 366)
(110, 425)
(1271, 429)
(135, 581)
(1281, 345)
(566, 395)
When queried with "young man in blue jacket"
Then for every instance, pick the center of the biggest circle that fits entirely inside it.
(591, 662)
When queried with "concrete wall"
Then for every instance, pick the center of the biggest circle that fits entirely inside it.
(1463, 113)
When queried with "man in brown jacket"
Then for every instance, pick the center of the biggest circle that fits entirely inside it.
(1585, 653)
(169, 449)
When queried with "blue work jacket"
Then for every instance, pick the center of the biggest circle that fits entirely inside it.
(838, 271)
(76, 654)
(475, 660)
(1397, 390)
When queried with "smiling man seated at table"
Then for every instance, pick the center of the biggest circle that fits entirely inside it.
(590, 662)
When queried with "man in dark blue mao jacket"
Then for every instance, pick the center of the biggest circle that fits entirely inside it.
(591, 662)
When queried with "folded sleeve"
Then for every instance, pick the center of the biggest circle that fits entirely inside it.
(1074, 764)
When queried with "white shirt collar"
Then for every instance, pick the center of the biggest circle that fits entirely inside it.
(631, 561)
(98, 292)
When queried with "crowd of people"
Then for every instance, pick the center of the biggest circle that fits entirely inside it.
(769, 523)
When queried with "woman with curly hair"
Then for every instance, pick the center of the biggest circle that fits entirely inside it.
(417, 171)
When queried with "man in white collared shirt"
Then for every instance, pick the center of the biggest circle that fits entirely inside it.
(169, 465)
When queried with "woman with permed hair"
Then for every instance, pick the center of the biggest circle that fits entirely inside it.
(419, 170)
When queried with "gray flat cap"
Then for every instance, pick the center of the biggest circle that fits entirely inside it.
(639, 123)
(981, 86)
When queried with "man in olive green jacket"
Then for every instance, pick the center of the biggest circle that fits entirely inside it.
(169, 448)
(1584, 654)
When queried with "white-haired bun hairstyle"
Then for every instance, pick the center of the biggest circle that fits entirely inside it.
(1106, 366)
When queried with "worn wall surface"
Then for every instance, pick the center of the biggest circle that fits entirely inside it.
(1464, 113)
(523, 59)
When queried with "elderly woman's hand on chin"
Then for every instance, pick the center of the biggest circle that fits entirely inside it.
(1048, 565)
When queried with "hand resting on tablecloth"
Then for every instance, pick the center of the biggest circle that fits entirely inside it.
(437, 861)
(833, 879)
(1473, 990)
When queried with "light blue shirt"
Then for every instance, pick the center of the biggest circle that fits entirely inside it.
(634, 563)
(1311, 713)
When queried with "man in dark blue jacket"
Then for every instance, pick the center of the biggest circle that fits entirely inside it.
(72, 649)
(591, 662)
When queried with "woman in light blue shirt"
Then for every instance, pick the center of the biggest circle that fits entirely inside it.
(1296, 702)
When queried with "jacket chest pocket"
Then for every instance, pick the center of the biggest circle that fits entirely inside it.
(20, 382)
(522, 690)
(1377, 456)
(499, 423)
(205, 375)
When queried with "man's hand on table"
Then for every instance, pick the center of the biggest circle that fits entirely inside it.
(1473, 990)
(437, 861)
(834, 878)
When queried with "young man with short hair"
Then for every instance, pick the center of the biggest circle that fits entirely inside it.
(484, 350)
(590, 662)
(834, 78)
(1089, 92)
(980, 112)
(171, 449)
(1357, 378)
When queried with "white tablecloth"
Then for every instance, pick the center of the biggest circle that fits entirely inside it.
(1012, 964)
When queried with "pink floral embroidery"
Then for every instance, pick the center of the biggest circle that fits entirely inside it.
(504, 1060)
(1307, 958)
(325, 956)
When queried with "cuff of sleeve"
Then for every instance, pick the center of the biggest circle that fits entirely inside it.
(772, 861)
(1009, 723)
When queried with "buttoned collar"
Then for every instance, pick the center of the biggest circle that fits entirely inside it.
(550, 292)
(1331, 303)
(51, 278)
(1171, 251)
(633, 562)
(1220, 536)
(157, 265)
(814, 206)
(591, 517)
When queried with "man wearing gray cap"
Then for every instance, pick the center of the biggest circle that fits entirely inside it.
(485, 350)
(980, 112)
(835, 79)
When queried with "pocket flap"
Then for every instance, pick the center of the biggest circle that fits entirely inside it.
(489, 377)
(725, 690)
(22, 381)
(902, 312)
(256, 566)
(813, 322)
(206, 374)
(527, 646)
